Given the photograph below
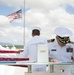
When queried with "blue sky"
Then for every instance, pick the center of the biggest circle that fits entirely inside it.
(45, 14)
(11, 32)
(5, 10)
(70, 9)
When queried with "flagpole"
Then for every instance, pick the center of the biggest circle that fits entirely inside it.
(24, 23)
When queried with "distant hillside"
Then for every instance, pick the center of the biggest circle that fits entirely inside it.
(17, 46)
(11, 45)
(1, 43)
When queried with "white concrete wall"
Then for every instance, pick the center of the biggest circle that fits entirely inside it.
(12, 70)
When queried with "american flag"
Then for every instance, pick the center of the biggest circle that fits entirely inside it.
(15, 15)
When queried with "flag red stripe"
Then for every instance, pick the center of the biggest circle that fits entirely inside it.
(7, 51)
(14, 59)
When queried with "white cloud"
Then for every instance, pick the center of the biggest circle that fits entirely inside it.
(55, 15)
(61, 17)
(12, 34)
(43, 4)
(13, 3)
(9, 33)
(34, 17)
(18, 21)
(70, 2)
(27, 34)
(47, 4)
(43, 13)
(16, 34)
(4, 20)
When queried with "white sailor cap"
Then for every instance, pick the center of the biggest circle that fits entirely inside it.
(63, 32)
(38, 28)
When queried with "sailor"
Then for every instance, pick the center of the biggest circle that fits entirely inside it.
(30, 48)
(61, 50)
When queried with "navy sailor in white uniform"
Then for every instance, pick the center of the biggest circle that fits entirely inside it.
(61, 50)
(30, 48)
